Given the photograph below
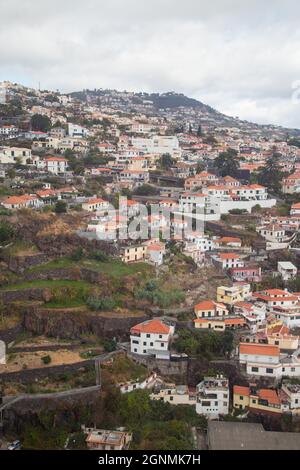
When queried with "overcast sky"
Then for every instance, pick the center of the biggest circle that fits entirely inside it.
(240, 56)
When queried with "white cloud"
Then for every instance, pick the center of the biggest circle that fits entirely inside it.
(240, 57)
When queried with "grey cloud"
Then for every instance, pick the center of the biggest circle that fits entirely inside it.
(241, 57)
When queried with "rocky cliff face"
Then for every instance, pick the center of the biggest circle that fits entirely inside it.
(73, 323)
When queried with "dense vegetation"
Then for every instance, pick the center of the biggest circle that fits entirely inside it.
(207, 344)
(155, 425)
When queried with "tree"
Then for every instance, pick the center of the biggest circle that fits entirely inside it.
(200, 167)
(166, 161)
(271, 175)
(7, 232)
(199, 131)
(227, 163)
(60, 207)
(146, 190)
(40, 122)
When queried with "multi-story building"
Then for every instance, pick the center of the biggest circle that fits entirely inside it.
(213, 397)
(291, 394)
(77, 131)
(276, 236)
(285, 306)
(246, 274)
(151, 338)
(231, 295)
(228, 260)
(56, 165)
(258, 401)
(210, 309)
(287, 270)
(133, 253)
(291, 184)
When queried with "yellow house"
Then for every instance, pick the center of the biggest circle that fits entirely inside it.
(231, 295)
(219, 324)
(209, 308)
(261, 401)
(134, 253)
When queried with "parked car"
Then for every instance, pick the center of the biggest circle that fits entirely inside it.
(16, 445)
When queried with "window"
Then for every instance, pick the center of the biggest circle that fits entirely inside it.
(241, 398)
(254, 369)
(269, 371)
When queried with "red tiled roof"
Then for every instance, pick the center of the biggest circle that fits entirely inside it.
(259, 349)
(238, 390)
(152, 326)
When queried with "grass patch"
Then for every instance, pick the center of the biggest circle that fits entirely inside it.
(113, 268)
(124, 369)
(21, 248)
(65, 303)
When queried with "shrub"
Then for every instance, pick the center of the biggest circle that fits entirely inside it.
(104, 303)
(99, 255)
(60, 207)
(46, 359)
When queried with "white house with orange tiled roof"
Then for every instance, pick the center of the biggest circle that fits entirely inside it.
(95, 204)
(258, 353)
(228, 260)
(264, 360)
(295, 209)
(19, 202)
(151, 338)
(232, 242)
(56, 165)
(285, 306)
(276, 298)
